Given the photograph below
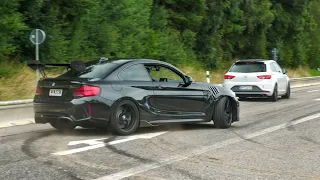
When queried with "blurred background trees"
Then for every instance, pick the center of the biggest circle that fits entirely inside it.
(209, 32)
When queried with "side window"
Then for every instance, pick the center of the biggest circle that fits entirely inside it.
(273, 68)
(278, 67)
(163, 74)
(135, 73)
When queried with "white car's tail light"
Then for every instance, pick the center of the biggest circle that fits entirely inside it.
(264, 77)
(228, 77)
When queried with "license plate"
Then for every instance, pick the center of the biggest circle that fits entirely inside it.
(55, 92)
(245, 87)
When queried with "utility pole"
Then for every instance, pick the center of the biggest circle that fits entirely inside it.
(275, 54)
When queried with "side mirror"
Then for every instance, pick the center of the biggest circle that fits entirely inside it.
(188, 80)
(284, 71)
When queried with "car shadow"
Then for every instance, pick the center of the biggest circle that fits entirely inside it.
(83, 132)
(142, 130)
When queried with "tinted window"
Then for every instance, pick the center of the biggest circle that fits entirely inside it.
(163, 74)
(273, 68)
(135, 73)
(92, 71)
(248, 67)
(278, 67)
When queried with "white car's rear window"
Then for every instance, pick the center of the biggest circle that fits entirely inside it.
(248, 67)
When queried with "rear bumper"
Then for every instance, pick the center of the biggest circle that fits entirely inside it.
(77, 112)
(260, 89)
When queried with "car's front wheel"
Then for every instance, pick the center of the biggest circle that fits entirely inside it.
(223, 113)
(125, 118)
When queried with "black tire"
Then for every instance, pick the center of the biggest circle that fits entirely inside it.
(288, 93)
(274, 96)
(62, 125)
(125, 118)
(223, 114)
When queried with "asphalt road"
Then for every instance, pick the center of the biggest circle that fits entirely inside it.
(273, 140)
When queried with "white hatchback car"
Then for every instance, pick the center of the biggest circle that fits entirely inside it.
(258, 78)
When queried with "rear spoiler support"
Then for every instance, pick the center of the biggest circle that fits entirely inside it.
(76, 66)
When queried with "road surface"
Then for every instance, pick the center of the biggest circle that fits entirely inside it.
(273, 140)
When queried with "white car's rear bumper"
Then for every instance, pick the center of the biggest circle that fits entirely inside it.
(263, 88)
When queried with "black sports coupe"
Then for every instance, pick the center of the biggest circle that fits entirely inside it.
(124, 94)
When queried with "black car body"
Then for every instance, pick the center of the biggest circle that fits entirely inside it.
(125, 94)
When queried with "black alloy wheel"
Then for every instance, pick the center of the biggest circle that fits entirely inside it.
(125, 118)
(223, 115)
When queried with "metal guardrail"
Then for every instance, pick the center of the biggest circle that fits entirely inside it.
(295, 82)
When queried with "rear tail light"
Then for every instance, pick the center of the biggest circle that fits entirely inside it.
(38, 90)
(228, 77)
(264, 77)
(86, 91)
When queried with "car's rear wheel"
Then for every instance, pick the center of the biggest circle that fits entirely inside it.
(223, 113)
(288, 93)
(62, 125)
(274, 96)
(125, 118)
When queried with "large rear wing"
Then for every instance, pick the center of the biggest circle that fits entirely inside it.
(76, 66)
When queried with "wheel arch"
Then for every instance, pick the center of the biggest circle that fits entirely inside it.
(234, 104)
(114, 105)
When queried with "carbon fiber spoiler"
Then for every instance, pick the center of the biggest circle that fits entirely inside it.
(76, 66)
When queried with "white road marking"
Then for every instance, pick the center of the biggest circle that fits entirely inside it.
(317, 99)
(16, 123)
(97, 143)
(312, 91)
(172, 159)
(90, 142)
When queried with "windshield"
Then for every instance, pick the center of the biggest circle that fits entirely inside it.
(248, 67)
(92, 71)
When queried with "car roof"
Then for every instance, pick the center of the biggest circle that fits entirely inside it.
(127, 60)
(253, 60)
(122, 61)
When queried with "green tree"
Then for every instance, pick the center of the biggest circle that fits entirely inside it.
(11, 27)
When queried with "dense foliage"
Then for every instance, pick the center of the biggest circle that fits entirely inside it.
(178, 31)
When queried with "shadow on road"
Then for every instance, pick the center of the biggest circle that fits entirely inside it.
(142, 130)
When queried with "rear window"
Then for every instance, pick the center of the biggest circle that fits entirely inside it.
(92, 71)
(248, 67)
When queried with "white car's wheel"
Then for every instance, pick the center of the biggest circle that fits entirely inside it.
(288, 93)
(274, 96)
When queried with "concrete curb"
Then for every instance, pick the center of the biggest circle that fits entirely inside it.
(16, 102)
(16, 123)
